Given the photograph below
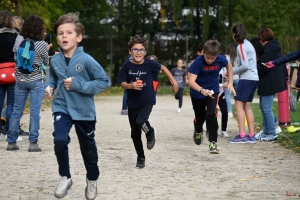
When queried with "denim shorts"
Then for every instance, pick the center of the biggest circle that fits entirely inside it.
(245, 90)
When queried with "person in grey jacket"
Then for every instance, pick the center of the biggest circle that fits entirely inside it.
(77, 78)
(246, 68)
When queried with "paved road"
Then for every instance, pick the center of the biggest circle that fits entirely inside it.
(175, 169)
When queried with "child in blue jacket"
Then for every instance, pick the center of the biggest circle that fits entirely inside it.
(77, 78)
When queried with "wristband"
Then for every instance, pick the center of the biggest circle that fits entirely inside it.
(201, 90)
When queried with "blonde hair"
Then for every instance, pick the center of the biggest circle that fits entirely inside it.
(18, 22)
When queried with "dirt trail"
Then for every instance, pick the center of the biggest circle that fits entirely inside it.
(175, 169)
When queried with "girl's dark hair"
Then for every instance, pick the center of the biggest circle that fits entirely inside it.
(33, 28)
(265, 34)
(6, 19)
(257, 46)
(211, 47)
(137, 40)
(239, 32)
(72, 18)
(231, 51)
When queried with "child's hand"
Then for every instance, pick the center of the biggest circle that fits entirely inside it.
(231, 89)
(209, 93)
(67, 83)
(137, 85)
(175, 88)
(48, 91)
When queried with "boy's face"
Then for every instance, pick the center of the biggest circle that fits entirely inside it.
(138, 53)
(179, 63)
(209, 59)
(67, 38)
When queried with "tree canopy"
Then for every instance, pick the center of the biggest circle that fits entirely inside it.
(174, 28)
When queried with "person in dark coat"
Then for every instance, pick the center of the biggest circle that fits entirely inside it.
(271, 81)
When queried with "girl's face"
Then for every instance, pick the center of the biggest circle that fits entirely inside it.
(138, 52)
(67, 38)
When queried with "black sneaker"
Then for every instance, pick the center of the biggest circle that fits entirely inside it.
(151, 140)
(213, 148)
(140, 162)
(22, 132)
(12, 147)
(2, 129)
(198, 138)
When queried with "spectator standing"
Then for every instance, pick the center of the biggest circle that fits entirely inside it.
(9, 38)
(32, 83)
(247, 70)
(271, 81)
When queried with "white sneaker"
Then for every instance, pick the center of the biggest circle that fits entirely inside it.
(224, 134)
(278, 130)
(91, 189)
(63, 186)
(230, 114)
(18, 140)
(179, 110)
(257, 135)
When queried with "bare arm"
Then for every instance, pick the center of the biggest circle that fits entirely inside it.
(171, 78)
(192, 83)
(230, 78)
(132, 86)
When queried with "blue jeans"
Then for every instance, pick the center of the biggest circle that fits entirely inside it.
(228, 99)
(266, 103)
(9, 90)
(22, 90)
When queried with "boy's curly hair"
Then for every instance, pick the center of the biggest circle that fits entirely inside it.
(33, 28)
(211, 47)
(72, 18)
(6, 19)
(137, 40)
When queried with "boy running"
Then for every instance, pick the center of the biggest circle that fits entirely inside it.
(204, 82)
(136, 76)
(77, 77)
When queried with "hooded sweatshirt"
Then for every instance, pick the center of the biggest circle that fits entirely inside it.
(271, 80)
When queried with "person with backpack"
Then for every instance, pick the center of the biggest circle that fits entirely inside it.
(32, 57)
(8, 38)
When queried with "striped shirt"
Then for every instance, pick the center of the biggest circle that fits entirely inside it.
(40, 56)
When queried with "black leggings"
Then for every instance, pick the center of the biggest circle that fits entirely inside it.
(178, 96)
(138, 119)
